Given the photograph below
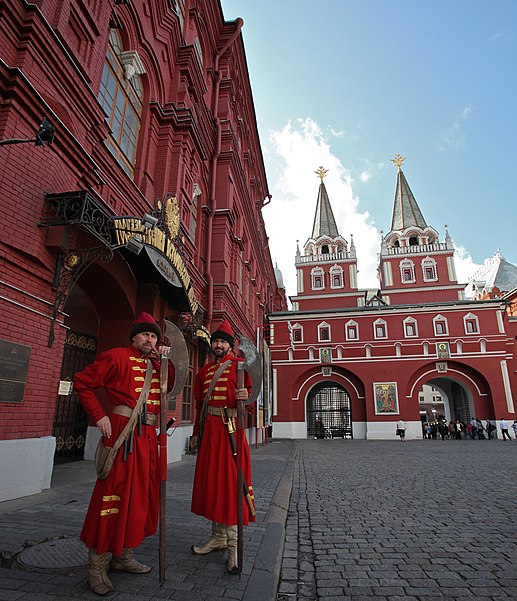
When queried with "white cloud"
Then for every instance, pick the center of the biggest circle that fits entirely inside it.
(465, 266)
(295, 153)
(365, 176)
(454, 136)
(337, 133)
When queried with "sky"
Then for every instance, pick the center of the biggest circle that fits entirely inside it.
(347, 84)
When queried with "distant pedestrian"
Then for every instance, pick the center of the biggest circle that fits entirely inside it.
(490, 429)
(401, 429)
(514, 428)
(480, 429)
(503, 424)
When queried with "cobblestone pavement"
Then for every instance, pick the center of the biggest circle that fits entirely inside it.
(48, 525)
(336, 520)
(417, 520)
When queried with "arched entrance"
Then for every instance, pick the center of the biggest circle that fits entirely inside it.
(329, 411)
(454, 401)
(100, 296)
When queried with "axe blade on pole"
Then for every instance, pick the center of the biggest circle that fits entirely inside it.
(178, 355)
(253, 365)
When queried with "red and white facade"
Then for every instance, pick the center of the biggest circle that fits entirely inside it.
(156, 150)
(357, 360)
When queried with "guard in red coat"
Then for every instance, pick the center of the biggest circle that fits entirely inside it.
(214, 493)
(124, 507)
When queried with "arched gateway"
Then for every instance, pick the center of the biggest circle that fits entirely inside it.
(329, 411)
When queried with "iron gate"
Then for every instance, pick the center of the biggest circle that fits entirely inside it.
(70, 419)
(460, 404)
(329, 412)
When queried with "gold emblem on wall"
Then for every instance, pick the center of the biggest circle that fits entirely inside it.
(171, 216)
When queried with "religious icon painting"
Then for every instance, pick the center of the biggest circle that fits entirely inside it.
(443, 350)
(386, 398)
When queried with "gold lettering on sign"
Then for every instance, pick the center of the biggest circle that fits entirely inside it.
(127, 228)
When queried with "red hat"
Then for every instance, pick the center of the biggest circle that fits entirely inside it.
(144, 323)
(224, 332)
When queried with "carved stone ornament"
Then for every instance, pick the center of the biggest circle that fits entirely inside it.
(132, 64)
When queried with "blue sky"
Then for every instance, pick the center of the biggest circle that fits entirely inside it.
(347, 84)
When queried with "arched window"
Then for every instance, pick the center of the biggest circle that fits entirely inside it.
(121, 97)
(410, 327)
(413, 241)
(179, 8)
(407, 271)
(196, 193)
(296, 332)
(351, 330)
(380, 329)
(323, 332)
(471, 324)
(440, 326)
(198, 50)
(429, 270)
(336, 277)
(317, 278)
(325, 249)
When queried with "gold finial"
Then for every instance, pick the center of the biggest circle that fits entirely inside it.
(398, 160)
(321, 173)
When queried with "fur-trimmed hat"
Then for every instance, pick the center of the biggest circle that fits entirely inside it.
(224, 332)
(144, 323)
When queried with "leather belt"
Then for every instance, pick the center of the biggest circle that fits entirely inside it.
(230, 411)
(127, 411)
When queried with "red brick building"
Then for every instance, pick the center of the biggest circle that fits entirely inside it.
(350, 362)
(148, 198)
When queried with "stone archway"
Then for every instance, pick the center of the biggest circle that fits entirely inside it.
(457, 399)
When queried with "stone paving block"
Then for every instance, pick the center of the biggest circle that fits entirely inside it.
(10, 595)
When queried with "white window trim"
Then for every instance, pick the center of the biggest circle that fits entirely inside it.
(336, 270)
(429, 262)
(470, 317)
(410, 321)
(404, 265)
(298, 328)
(442, 319)
(317, 272)
(380, 322)
(355, 325)
(320, 327)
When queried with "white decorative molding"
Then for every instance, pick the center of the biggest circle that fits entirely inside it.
(132, 64)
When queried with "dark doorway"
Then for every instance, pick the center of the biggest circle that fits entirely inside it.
(329, 412)
(70, 419)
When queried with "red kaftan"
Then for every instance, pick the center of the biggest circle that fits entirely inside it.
(124, 507)
(214, 494)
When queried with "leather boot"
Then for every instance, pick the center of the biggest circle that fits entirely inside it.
(215, 542)
(231, 564)
(97, 572)
(127, 563)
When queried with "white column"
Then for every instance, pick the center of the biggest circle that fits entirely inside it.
(507, 387)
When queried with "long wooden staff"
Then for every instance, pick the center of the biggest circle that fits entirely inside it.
(164, 374)
(240, 476)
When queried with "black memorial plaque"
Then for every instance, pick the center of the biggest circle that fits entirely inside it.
(14, 365)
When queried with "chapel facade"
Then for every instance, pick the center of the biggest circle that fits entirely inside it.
(350, 363)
